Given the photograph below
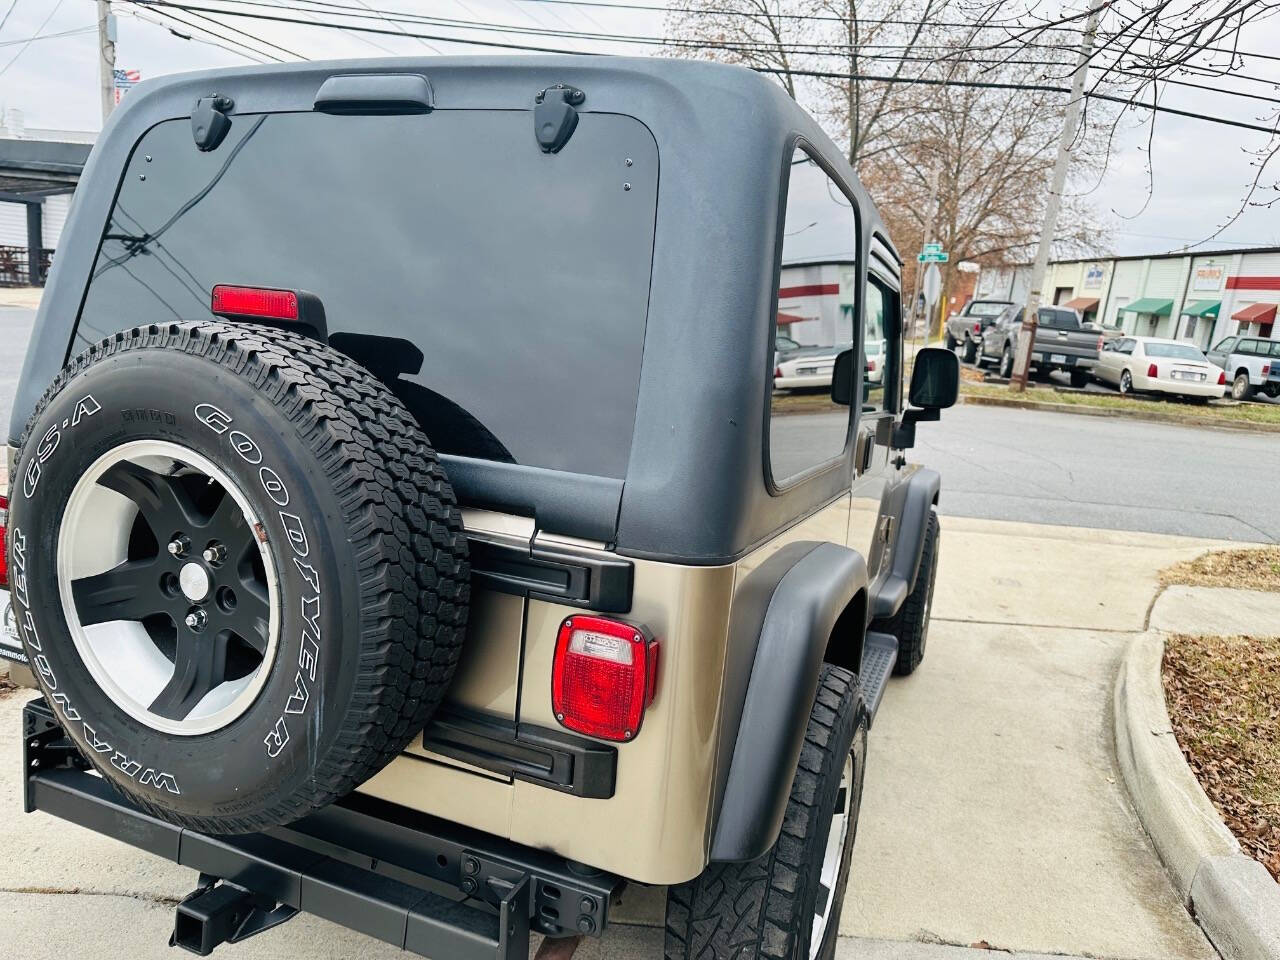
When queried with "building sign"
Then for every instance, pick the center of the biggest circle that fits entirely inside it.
(126, 80)
(1208, 276)
(1093, 274)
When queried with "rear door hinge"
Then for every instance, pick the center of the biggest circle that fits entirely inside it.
(209, 121)
(555, 116)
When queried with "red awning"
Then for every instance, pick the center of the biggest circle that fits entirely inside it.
(1256, 313)
(785, 318)
(1083, 304)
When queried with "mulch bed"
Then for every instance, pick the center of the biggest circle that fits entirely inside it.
(1255, 569)
(1223, 695)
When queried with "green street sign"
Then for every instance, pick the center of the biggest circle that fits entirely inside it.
(932, 256)
(933, 248)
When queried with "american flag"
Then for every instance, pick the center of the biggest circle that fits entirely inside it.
(125, 80)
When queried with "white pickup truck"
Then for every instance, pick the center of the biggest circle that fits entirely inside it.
(1248, 362)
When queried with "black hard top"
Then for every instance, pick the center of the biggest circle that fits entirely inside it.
(695, 488)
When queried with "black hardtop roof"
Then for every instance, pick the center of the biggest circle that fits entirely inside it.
(695, 488)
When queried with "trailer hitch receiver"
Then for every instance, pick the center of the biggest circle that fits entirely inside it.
(221, 912)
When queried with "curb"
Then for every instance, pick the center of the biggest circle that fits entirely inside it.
(1153, 416)
(1231, 895)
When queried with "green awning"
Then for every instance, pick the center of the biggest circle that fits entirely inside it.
(1161, 308)
(1202, 308)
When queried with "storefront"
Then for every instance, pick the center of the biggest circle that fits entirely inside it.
(1143, 317)
(1255, 319)
(1199, 317)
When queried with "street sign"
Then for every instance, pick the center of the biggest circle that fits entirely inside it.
(932, 285)
(932, 256)
(933, 248)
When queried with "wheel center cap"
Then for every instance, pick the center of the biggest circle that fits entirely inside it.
(194, 581)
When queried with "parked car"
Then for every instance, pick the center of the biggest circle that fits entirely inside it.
(1063, 342)
(1272, 387)
(440, 607)
(1248, 362)
(810, 369)
(965, 329)
(1155, 365)
(876, 355)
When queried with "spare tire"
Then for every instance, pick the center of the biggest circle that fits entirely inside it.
(238, 569)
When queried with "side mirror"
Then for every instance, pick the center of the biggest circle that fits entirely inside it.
(842, 379)
(935, 381)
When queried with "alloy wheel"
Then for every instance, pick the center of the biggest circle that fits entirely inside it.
(170, 595)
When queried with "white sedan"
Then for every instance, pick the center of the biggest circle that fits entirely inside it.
(1153, 365)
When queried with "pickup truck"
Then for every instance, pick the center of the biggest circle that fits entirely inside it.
(1063, 342)
(1250, 363)
(965, 329)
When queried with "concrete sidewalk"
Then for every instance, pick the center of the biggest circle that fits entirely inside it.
(993, 809)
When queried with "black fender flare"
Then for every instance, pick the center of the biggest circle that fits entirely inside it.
(804, 593)
(910, 510)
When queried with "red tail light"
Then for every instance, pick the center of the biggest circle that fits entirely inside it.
(1101, 343)
(604, 677)
(1153, 372)
(4, 541)
(977, 326)
(871, 366)
(1222, 378)
(777, 372)
(1266, 369)
(229, 301)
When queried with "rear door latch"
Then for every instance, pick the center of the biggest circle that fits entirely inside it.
(555, 116)
(209, 121)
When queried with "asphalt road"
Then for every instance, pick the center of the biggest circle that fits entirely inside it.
(1112, 473)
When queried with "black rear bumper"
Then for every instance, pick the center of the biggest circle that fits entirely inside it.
(423, 884)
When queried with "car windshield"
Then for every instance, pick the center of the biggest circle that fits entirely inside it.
(1177, 351)
(982, 308)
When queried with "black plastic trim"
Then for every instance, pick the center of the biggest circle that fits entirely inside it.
(801, 614)
(911, 520)
(560, 575)
(548, 758)
(375, 93)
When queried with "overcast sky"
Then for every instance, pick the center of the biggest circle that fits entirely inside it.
(1201, 170)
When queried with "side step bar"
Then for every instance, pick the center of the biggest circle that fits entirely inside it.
(425, 885)
(879, 655)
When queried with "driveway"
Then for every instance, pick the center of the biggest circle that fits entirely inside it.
(993, 810)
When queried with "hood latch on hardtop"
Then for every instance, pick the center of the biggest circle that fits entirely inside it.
(555, 116)
(209, 121)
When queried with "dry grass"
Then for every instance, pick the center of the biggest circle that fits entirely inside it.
(1253, 569)
(1264, 413)
(1224, 700)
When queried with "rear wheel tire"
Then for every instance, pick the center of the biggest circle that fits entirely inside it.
(786, 904)
(1006, 362)
(911, 623)
(1241, 389)
(950, 341)
(1079, 379)
(245, 573)
(1126, 383)
(970, 351)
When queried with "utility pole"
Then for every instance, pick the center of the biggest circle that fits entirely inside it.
(928, 238)
(106, 57)
(1070, 125)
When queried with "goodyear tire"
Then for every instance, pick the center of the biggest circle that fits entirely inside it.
(786, 904)
(238, 570)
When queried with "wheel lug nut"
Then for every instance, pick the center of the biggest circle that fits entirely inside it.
(214, 553)
(179, 545)
(197, 619)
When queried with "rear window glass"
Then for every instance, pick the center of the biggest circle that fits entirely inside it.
(1176, 351)
(1059, 319)
(501, 292)
(981, 308)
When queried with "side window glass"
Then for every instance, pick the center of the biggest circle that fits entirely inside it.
(817, 303)
(879, 339)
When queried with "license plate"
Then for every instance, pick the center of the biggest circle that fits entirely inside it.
(1058, 358)
(806, 371)
(1187, 375)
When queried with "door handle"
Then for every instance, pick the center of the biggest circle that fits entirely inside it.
(865, 450)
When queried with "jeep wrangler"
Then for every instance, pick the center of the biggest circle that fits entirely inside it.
(402, 526)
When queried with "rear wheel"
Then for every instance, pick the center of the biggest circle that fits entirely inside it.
(246, 577)
(1126, 382)
(949, 340)
(786, 904)
(970, 350)
(1241, 389)
(1006, 362)
(1079, 379)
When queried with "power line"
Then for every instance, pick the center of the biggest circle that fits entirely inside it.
(218, 23)
(30, 40)
(8, 13)
(49, 36)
